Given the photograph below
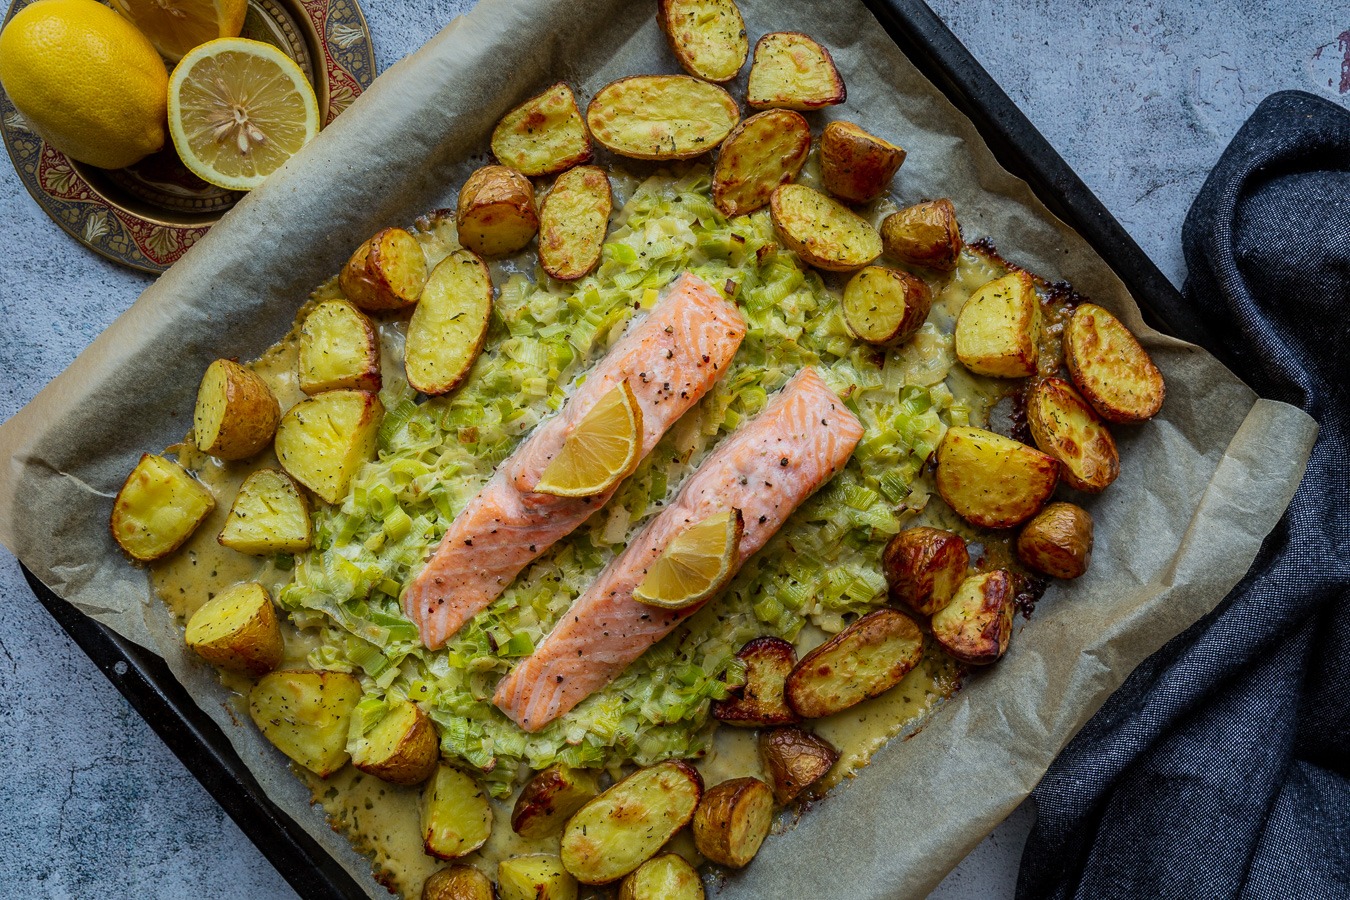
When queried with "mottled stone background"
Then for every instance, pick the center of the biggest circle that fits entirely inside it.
(1140, 96)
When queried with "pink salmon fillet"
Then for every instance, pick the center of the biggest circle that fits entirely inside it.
(801, 439)
(670, 359)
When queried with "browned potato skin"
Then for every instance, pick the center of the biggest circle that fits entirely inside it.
(676, 32)
(811, 689)
(977, 625)
(819, 247)
(367, 278)
(923, 567)
(249, 418)
(1065, 426)
(794, 760)
(743, 180)
(457, 883)
(760, 702)
(857, 166)
(918, 303)
(496, 213)
(926, 234)
(762, 95)
(413, 760)
(254, 648)
(1111, 369)
(550, 798)
(1057, 541)
(732, 821)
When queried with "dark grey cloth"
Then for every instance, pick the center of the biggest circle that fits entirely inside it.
(1221, 769)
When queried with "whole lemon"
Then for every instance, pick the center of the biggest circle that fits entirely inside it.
(86, 80)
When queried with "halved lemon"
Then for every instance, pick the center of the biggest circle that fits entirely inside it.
(600, 452)
(696, 564)
(176, 26)
(238, 109)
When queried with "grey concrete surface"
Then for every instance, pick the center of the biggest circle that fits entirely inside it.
(1140, 97)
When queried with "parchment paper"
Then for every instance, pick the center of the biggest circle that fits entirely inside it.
(1200, 487)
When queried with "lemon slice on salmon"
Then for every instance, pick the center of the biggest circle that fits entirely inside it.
(696, 564)
(176, 26)
(600, 452)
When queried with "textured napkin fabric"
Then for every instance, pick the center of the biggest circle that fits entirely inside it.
(1221, 769)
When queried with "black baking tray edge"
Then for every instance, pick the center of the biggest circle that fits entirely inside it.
(145, 680)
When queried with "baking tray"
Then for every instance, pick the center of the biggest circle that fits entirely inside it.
(146, 682)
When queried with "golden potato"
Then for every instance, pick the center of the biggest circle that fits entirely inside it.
(322, 441)
(794, 760)
(926, 234)
(1114, 373)
(793, 71)
(402, 748)
(885, 306)
(759, 702)
(237, 630)
(385, 272)
(997, 330)
(661, 116)
(923, 566)
(857, 166)
(664, 877)
(539, 876)
(572, 222)
(867, 658)
(269, 516)
(236, 413)
(1057, 541)
(449, 326)
(732, 820)
(706, 36)
(456, 813)
(544, 135)
(306, 714)
(764, 151)
(1063, 425)
(338, 349)
(992, 480)
(822, 231)
(158, 508)
(496, 213)
(550, 798)
(457, 883)
(976, 626)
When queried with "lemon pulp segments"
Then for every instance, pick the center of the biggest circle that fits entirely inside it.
(696, 564)
(176, 26)
(601, 451)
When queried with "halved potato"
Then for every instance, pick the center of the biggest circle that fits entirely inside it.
(661, 116)
(867, 658)
(550, 798)
(306, 714)
(269, 515)
(539, 876)
(706, 36)
(793, 71)
(885, 306)
(449, 326)
(732, 820)
(157, 509)
(385, 272)
(976, 626)
(992, 480)
(664, 877)
(1109, 366)
(544, 135)
(997, 330)
(496, 213)
(457, 883)
(855, 165)
(759, 702)
(1063, 425)
(456, 813)
(794, 760)
(925, 234)
(923, 567)
(237, 630)
(1057, 541)
(402, 748)
(764, 151)
(322, 441)
(626, 825)
(822, 231)
(236, 413)
(572, 222)
(338, 349)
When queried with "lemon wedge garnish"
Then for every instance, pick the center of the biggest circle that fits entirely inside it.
(600, 452)
(696, 564)
(176, 26)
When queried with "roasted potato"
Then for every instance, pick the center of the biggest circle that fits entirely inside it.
(867, 658)
(792, 71)
(997, 330)
(764, 151)
(449, 326)
(732, 820)
(1057, 541)
(496, 213)
(457, 883)
(237, 630)
(539, 876)
(456, 813)
(572, 222)
(338, 349)
(926, 234)
(976, 625)
(157, 509)
(626, 825)
(550, 798)
(794, 760)
(759, 702)
(236, 413)
(306, 714)
(544, 135)
(385, 272)
(661, 116)
(322, 441)
(856, 166)
(822, 231)
(1114, 373)
(1065, 426)
(885, 306)
(706, 36)
(992, 480)
(269, 515)
(923, 567)
(402, 748)
(664, 877)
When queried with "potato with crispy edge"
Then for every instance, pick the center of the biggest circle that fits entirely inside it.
(385, 272)
(977, 625)
(573, 220)
(855, 165)
(448, 328)
(306, 714)
(1107, 364)
(338, 349)
(885, 306)
(664, 877)
(821, 230)
(237, 630)
(997, 329)
(538, 876)
(766, 150)
(1057, 541)
(923, 567)
(759, 702)
(867, 658)
(992, 480)
(402, 748)
(269, 516)
(626, 825)
(157, 509)
(456, 813)
(496, 213)
(925, 234)
(322, 441)
(457, 882)
(793, 71)
(1065, 426)
(236, 413)
(732, 820)
(707, 36)
(544, 135)
(794, 760)
(661, 116)
(550, 798)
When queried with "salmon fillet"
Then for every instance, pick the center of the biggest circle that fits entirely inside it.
(670, 359)
(801, 439)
